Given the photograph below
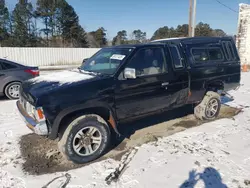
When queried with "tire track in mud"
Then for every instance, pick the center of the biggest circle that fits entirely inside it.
(41, 155)
(126, 159)
(63, 183)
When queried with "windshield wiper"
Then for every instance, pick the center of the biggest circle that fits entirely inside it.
(89, 72)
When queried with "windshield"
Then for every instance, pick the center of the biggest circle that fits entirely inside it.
(107, 60)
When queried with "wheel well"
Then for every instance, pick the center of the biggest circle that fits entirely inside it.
(7, 85)
(101, 111)
(215, 86)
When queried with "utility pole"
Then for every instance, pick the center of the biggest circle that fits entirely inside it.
(190, 18)
(194, 16)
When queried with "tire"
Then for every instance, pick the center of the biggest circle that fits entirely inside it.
(12, 90)
(78, 135)
(209, 108)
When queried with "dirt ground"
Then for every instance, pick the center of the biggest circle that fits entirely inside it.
(42, 156)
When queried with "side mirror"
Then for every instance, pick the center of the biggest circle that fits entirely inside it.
(129, 73)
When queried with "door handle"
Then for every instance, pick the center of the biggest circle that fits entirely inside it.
(165, 84)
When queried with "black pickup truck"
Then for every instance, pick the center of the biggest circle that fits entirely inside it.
(83, 107)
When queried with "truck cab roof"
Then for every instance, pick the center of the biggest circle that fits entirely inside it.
(192, 39)
(136, 45)
(184, 40)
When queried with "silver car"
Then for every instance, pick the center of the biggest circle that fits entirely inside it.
(12, 75)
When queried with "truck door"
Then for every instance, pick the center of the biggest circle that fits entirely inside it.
(152, 89)
(180, 78)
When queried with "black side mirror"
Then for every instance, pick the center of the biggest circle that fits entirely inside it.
(83, 61)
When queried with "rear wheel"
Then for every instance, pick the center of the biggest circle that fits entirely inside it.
(209, 108)
(85, 139)
(12, 90)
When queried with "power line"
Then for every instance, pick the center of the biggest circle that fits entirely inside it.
(226, 6)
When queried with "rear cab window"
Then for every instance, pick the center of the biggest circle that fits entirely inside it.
(176, 56)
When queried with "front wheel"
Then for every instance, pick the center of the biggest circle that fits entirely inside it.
(209, 108)
(85, 139)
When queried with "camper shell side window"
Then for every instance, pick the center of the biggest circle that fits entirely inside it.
(229, 50)
(207, 54)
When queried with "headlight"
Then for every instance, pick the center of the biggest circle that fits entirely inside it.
(36, 113)
(29, 109)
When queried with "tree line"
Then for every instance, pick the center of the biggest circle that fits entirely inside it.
(59, 25)
(202, 29)
(54, 23)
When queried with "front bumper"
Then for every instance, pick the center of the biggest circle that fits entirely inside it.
(39, 128)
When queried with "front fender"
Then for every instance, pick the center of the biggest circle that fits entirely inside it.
(57, 122)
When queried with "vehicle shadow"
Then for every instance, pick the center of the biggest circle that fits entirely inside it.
(3, 98)
(210, 177)
(129, 128)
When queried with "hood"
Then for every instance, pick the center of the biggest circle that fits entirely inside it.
(45, 84)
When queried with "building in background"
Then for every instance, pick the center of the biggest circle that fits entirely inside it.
(243, 36)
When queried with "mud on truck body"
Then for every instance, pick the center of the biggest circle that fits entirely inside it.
(83, 107)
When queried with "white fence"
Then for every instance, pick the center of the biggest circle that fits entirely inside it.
(47, 56)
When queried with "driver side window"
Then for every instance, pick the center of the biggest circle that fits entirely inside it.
(148, 61)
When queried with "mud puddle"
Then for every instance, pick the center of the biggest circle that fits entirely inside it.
(42, 156)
